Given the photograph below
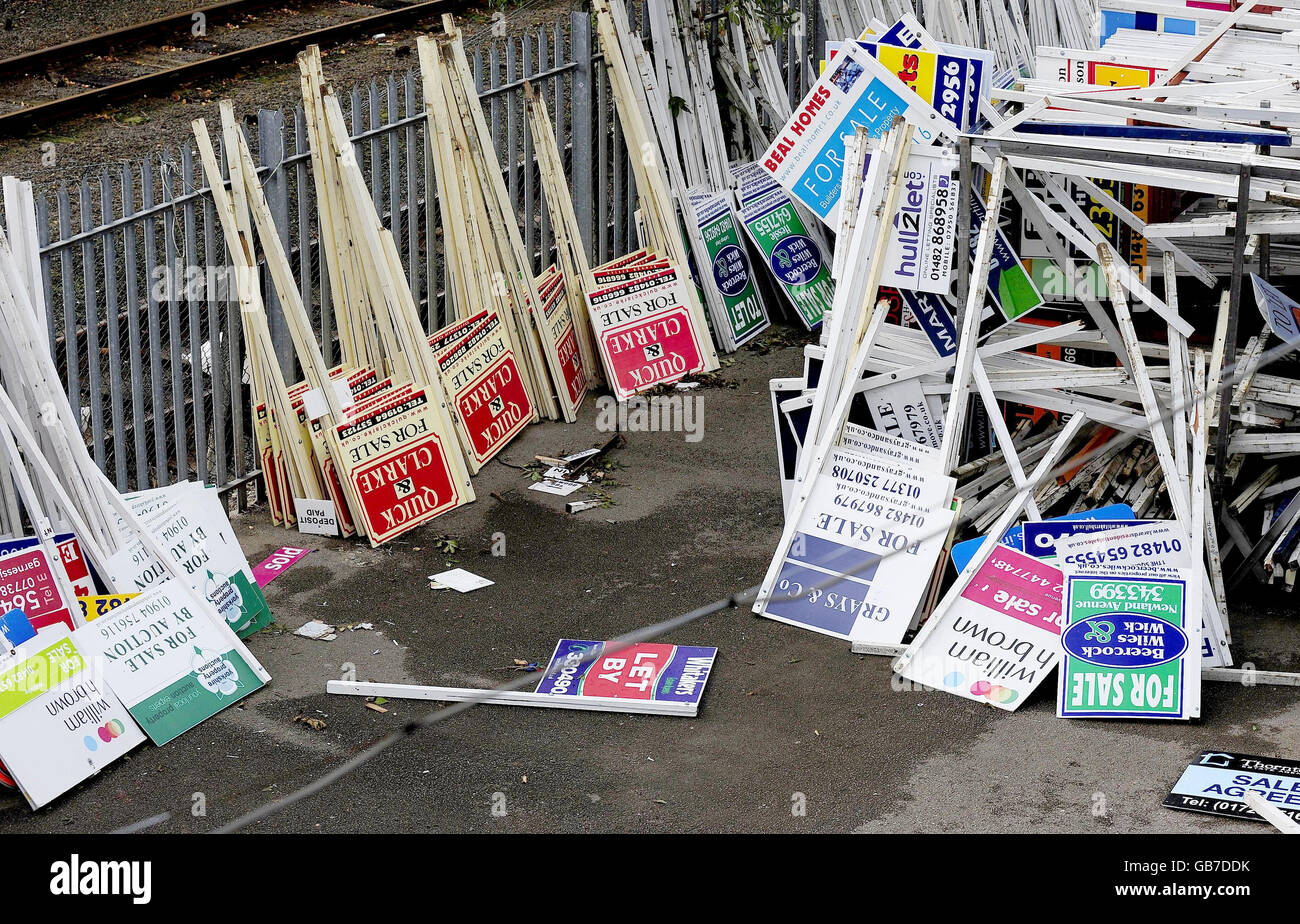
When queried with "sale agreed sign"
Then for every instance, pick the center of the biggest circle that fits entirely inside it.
(1216, 783)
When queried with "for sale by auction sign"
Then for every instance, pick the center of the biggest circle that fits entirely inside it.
(489, 396)
(396, 461)
(645, 332)
(172, 662)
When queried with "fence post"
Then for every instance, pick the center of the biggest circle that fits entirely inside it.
(580, 165)
(270, 154)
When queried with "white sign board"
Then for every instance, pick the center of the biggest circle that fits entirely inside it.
(999, 639)
(1155, 549)
(1281, 313)
(59, 721)
(901, 409)
(316, 517)
(919, 257)
(860, 558)
(170, 662)
(807, 157)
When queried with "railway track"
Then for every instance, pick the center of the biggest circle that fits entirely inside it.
(140, 60)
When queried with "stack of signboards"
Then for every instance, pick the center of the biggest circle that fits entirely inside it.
(794, 252)
(488, 265)
(643, 114)
(386, 440)
(121, 617)
(955, 394)
(571, 328)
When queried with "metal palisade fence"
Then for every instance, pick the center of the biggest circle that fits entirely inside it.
(144, 320)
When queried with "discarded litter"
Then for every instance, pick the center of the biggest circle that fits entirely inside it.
(315, 723)
(317, 630)
(460, 580)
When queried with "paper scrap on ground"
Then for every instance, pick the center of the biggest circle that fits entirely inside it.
(461, 580)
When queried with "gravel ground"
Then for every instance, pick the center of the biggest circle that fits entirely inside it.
(134, 129)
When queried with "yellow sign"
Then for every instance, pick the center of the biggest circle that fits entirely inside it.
(94, 607)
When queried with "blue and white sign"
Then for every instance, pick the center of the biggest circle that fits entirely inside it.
(1041, 537)
(807, 157)
(1280, 311)
(935, 318)
(1014, 538)
(919, 256)
(1216, 783)
(858, 560)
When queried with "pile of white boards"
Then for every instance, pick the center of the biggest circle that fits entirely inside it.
(1040, 430)
(121, 616)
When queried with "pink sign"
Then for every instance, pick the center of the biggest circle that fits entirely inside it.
(279, 561)
(1021, 587)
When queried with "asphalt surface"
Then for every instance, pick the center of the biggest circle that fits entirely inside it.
(789, 718)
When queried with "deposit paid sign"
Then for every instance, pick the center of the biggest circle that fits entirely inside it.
(396, 462)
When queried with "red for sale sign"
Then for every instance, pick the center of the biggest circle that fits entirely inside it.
(396, 462)
(575, 377)
(645, 331)
(650, 352)
(559, 319)
(491, 403)
(27, 584)
(494, 407)
(75, 566)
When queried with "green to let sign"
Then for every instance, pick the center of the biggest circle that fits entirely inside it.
(732, 276)
(795, 260)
